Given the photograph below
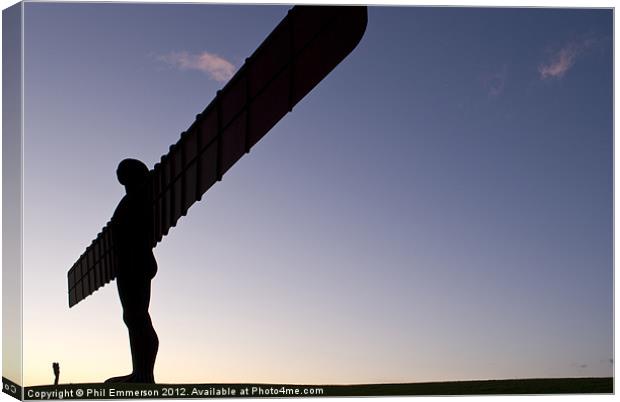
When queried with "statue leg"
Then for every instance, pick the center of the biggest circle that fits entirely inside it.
(135, 297)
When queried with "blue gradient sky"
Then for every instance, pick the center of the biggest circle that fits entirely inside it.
(438, 208)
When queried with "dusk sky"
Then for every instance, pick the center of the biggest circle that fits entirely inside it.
(438, 208)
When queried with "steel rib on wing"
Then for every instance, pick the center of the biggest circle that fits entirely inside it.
(307, 44)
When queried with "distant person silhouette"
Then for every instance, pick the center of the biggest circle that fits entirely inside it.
(56, 368)
(132, 224)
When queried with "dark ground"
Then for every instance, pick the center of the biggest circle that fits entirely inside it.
(179, 391)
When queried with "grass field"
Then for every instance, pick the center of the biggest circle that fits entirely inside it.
(495, 387)
(491, 387)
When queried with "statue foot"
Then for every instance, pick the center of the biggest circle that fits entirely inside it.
(133, 378)
(144, 379)
(123, 378)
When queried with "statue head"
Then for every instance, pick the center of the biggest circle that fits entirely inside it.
(131, 173)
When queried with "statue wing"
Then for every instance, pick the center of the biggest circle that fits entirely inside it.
(305, 46)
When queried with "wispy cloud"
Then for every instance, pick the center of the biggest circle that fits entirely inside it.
(218, 68)
(563, 59)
